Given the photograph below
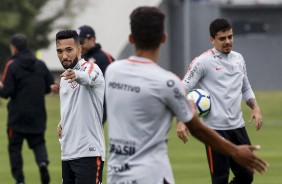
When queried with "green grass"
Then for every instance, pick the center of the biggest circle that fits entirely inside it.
(188, 160)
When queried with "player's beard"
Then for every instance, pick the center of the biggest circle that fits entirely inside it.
(74, 62)
(225, 50)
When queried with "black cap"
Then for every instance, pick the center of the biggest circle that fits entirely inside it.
(19, 41)
(85, 32)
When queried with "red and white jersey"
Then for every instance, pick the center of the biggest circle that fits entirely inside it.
(142, 99)
(81, 113)
(224, 76)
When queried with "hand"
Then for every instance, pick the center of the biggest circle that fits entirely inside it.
(1, 85)
(245, 157)
(182, 131)
(59, 130)
(69, 75)
(55, 88)
(257, 116)
(193, 106)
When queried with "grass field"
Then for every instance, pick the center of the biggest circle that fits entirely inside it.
(188, 160)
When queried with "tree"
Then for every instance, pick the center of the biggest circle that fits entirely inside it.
(22, 17)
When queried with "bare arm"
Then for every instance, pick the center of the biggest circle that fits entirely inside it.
(242, 154)
(256, 114)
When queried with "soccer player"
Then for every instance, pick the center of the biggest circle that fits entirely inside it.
(80, 130)
(222, 72)
(142, 99)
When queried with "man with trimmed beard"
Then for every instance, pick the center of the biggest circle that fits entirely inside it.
(80, 129)
(222, 72)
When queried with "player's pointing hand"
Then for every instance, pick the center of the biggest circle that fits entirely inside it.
(69, 75)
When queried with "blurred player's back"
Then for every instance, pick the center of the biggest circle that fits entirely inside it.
(138, 94)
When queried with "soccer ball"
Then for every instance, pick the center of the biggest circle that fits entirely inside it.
(202, 100)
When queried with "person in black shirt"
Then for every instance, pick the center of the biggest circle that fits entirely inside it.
(25, 81)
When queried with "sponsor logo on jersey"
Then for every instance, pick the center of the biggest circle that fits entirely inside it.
(218, 68)
(133, 181)
(120, 149)
(92, 149)
(119, 168)
(180, 97)
(124, 87)
(239, 66)
(176, 92)
(93, 78)
(170, 83)
(73, 84)
(192, 72)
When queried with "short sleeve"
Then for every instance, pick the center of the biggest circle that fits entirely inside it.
(175, 97)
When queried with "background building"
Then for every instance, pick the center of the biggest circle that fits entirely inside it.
(257, 27)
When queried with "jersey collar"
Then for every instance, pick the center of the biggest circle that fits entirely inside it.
(219, 54)
(137, 59)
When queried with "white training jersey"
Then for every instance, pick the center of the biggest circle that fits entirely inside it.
(224, 76)
(81, 113)
(142, 99)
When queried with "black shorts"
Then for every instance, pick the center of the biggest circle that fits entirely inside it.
(87, 170)
(220, 164)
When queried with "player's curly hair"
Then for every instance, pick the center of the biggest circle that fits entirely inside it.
(66, 34)
(147, 27)
(217, 25)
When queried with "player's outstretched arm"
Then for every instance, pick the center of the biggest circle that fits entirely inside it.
(243, 154)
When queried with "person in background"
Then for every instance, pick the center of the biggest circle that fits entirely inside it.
(92, 52)
(142, 99)
(222, 72)
(25, 81)
(80, 130)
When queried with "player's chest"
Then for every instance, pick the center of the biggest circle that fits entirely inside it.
(67, 88)
(222, 68)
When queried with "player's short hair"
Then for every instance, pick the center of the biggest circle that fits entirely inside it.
(217, 25)
(19, 41)
(147, 27)
(66, 34)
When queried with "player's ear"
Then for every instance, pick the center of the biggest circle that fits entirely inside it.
(212, 39)
(131, 39)
(164, 36)
(13, 50)
(79, 48)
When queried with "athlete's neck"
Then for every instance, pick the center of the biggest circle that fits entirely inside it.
(150, 54)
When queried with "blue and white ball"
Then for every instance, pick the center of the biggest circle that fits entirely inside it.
(202, 100)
